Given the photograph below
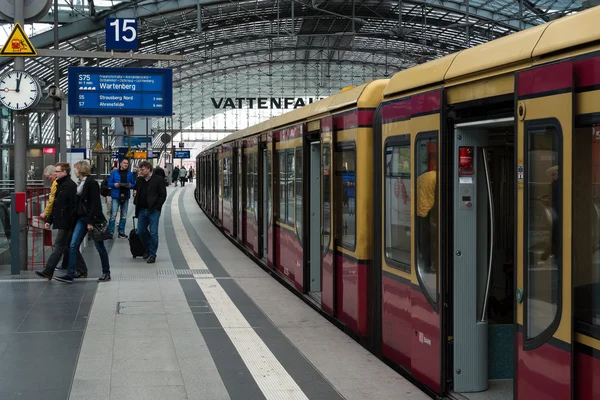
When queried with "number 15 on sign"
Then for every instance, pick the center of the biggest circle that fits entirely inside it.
(121, 34)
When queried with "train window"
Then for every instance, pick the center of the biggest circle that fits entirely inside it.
(246, 180)
(586, 225)
(426, 213)
(543, 210)
(299, 191)
(255, 189)
(219, 180)
(226, 178)
(282, 155)
(269, 187)
(325, 190)
(345, 191)
(289, 173)
(397, 202)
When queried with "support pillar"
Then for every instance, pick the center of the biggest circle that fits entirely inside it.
(21, 137)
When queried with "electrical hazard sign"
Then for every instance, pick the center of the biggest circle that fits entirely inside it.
(18, 44)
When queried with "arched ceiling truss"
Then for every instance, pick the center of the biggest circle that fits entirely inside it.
(221, 37)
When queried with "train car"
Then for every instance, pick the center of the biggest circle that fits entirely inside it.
(448, 219)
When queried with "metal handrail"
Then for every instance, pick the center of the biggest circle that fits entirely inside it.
(491, 204)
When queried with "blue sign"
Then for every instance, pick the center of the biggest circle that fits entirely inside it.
(137, 140)
(181, 154)
(120, 92)
(121, 34)
(156, 154)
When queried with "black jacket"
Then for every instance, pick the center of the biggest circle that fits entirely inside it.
(63, 215)
(156, 193)
(89, 207)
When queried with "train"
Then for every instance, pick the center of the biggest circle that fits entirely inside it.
(447, 218)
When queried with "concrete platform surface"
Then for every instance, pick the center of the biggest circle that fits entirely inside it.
(203, 322)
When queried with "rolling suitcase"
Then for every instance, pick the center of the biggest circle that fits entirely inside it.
(135, 243)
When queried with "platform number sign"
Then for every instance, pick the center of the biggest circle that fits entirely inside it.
(121, 34)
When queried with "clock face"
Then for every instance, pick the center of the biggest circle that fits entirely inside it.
(19, 90)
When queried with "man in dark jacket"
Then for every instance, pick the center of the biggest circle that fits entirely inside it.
(120, 182)
(150, 197)
(62, 218)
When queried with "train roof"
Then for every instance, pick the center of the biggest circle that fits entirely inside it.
(367, 95)
(574, 30)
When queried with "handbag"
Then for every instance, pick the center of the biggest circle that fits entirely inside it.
(100, 233)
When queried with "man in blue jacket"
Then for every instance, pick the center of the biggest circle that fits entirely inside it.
(120, 182)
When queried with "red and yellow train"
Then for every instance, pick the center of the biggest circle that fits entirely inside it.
(448, 218)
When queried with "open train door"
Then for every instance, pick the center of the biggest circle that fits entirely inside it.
(328, 272)
(544, 317)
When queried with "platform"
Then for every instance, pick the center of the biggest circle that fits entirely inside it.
(204, 322)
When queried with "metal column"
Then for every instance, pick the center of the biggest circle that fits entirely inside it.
(21, 136)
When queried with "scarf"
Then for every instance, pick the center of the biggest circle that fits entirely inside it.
(80, 185)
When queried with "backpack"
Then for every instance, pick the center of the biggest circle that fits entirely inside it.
(104, 189)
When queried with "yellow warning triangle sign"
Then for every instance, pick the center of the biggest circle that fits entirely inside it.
(129, 154)
(98, 147)
(18, 44)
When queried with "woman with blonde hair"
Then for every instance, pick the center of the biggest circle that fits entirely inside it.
(89, 213)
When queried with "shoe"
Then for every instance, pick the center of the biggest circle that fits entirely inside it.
(104, 278)
(123, 236)
(146, 255)
(44, 275)
(64, 278)
(79, 275)
(60, 268)
(151, 260)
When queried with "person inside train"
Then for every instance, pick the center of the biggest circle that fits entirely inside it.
(426, 217)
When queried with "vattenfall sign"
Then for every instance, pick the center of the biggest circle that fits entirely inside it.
(263, 102)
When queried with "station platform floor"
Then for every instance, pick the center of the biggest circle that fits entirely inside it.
(204, 322)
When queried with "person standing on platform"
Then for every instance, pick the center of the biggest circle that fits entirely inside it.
(151, 195)
(175, 175)
(106, 192)
(50, 176)
(88, 213)
(182, 176)
(121, 182)
(62, 218)
(191, 175)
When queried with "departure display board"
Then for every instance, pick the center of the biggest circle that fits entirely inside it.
(120, 92)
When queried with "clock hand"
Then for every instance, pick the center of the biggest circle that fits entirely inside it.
(19, 77)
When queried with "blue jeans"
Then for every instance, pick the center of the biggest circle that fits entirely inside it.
(148, 230)
(79, 233)
(113, 215)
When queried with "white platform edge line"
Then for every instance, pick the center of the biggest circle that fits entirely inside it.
(270, 376)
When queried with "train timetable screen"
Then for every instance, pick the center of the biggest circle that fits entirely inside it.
(140, 92)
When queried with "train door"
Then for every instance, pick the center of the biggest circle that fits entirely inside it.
(240, 186)
(328, 272)
(544, 271)
(483, 306)
(264, 211)
(314, 223)
(235, 193)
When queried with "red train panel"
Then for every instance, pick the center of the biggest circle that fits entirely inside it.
(251, 230)
(544, 373)
(228, 217)
(351, 290)
(288, 253)
(587, 367)
(396, 322)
